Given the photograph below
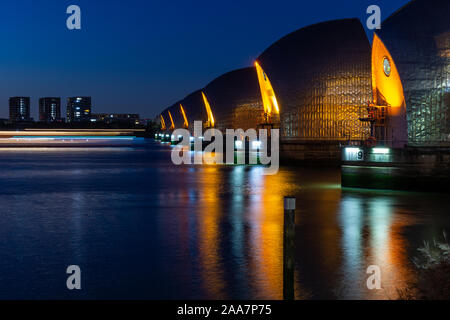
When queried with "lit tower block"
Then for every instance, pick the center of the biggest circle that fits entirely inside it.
(270, 103)
(210, 120)
(183, 113)
(172, 125)
(163, 123)
(387, 112)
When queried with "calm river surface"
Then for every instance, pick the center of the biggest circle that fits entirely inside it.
(140, 227)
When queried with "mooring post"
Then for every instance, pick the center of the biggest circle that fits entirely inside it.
(289, 248)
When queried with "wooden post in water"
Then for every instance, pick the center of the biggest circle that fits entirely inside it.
(289, 248)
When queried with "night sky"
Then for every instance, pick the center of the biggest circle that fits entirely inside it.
(140, 56)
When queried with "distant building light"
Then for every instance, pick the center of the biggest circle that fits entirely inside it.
(256, 145)
(380, 150)
(238, 144)
(352, 150)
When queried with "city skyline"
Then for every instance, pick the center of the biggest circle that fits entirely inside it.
(141, 65)
(51, 110)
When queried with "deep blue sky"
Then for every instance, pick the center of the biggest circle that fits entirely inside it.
(139, 56)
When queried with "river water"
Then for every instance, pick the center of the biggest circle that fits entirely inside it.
(140, 227)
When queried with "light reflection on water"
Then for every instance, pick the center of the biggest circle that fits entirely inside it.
(140, 227)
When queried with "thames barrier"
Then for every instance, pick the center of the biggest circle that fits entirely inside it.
(380, 109)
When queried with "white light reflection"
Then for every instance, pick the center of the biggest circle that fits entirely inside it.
(380, 213)
(352, 224)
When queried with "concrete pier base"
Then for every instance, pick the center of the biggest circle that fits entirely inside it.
(418, 169)
(311, 153)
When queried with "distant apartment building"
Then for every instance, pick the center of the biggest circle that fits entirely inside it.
(50, 109)
(129, 118)
(19, 109)
(79, 109)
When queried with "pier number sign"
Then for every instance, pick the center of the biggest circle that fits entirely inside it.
(353, 154)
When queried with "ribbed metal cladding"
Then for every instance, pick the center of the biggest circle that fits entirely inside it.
(321, 76)
(235, 100)
(418, 38)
